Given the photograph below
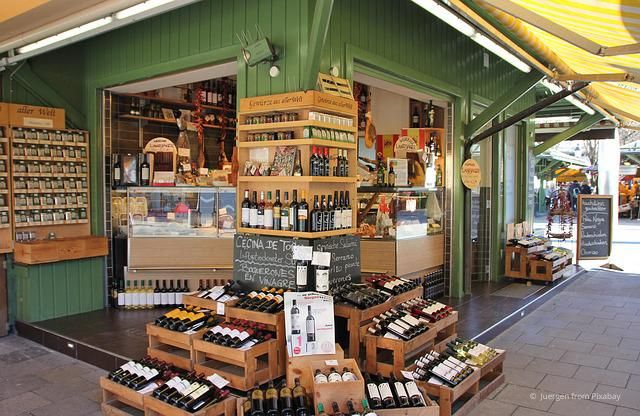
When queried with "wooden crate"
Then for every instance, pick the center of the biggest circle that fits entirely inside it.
(243, 369)
(218, 307)
(401, 351)
(172, 346)
(340, 392)
(274, 322)
(118, 400)
(431, 408)
(359, 319)
(516, 263)
(463, 398)
(155, 407)
(298, 367)
(547, 270)
(446, 329)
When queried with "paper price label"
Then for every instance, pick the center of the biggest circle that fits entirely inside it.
(407, 374)
(218, 381)
(321, 258)
(331, 362)
(302, 253)
(220, 308)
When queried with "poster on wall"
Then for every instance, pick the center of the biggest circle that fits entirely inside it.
(309, 323)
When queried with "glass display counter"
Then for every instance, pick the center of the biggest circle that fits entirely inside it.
(401, 229)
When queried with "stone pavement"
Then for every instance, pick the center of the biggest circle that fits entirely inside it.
(577, 354)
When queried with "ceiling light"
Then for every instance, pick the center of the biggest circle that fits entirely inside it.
(446, 16)
(555, 88)
(555, 119)
(140, 7)
(452, 19)
(65, 35)
(490, 45)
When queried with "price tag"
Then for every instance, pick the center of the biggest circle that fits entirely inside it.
(220, 308)
(171, 215)
(321, 258)
(203, 171)
(184, 152)
(331, 362)
(223, 211)
(302, 252)
(407, 374)
(218, 381)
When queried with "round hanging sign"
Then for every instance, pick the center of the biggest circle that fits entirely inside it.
(471, 174)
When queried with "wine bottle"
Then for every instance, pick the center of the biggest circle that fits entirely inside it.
(321, 411)
(415, 118)
(271, 396)
(135, 296)
(300, 399)
(145, 171)
(253, 211)
(326, 162)
(416, 398)
(257, 402)
(246, 206)
(400, 392)
(277, 212)
(316, 216)
(373, 394)
(366, 410)
(120, 297)
(117, 171)
(268, 213)
(347, 375)
(336, 409)
(322, 279)
(334, 376)
(284, 212)
(385, 393)
(347, 220)
(286, 400)
(351, 410)
(303, 214)
(171, 295)
(297, 166)
(261, 208)
(295, 319)
(310, 326)
(337, 210)
(319, 377)
(293, 212)
(330, 215)
(313, 162)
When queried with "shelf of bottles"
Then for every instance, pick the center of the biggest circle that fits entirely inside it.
(5, 197)
(50, 180)
(297, 155)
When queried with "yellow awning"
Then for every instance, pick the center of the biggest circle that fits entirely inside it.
(570, 175)
(592, 40)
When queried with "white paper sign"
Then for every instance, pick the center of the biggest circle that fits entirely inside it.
(302, 252)
(218, 381)
(407, 374)
(309, 323)
(220, 308)
(331, 362)
(321, 258)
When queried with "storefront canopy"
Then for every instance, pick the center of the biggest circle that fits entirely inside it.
(583, 40)
(570, 175)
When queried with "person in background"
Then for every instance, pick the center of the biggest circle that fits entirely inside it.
(585, 189)
(574, 190)
(547, 196)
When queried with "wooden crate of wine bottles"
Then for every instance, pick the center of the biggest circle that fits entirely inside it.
(274, 322)
(446, 331)
(172, 346)
(298, 367)
(464, 397)
(118, 400)
(358, 320)
(341, 391)
(547, 270)
(242, 368)
(389, 356)
(431, 408)
(218, 307)
(155, 407)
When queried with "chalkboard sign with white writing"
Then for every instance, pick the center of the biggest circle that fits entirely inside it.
(260, 261)
(594, 226)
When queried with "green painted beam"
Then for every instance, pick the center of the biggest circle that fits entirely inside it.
(35, 85)
(634, 158)
(457, 263)
(585, 122)
(550, 167)
(317, 37)
(497, 204)
(521, 87)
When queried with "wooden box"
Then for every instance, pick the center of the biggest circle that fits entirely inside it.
(401, 351)
(463, 398)
(70, 248)
(359, 319)
(446, 329)
(243, 369)
(172, 346)
(118, 400)
(155, 407)
(274, 322)
(298, 367)
(547, 270)
(431, 408)
(339, 392)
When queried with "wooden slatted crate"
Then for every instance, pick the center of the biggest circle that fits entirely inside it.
(118, 400)
(172, 346)
(155, 407)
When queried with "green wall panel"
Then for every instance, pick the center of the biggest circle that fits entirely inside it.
(58, 289)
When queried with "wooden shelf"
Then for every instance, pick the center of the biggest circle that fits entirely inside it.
(176, 102)
(297, 179)
(294, 124)
(4, 140)
(162, 120)
(48, 251)
(299, 234)
(298, 142)
(47, 223)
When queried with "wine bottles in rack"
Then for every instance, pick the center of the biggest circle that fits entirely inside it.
(190, 392)
(267, 299)
(186, 318)
(443, 367)
(383, 393)
(277, 401)
(238, 333)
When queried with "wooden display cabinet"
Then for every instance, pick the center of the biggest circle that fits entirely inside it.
(336, 111)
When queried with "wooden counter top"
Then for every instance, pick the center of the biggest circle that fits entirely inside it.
(60, 249)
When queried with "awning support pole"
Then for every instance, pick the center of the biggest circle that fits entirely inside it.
(524, 84)
(317, 37)
(585, 122)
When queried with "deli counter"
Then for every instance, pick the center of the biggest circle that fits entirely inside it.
(401, 229)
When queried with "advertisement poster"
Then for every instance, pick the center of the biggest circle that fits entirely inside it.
(309, 323)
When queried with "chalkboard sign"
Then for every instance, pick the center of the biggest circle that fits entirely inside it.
(345, 258)
(594, 226)
(260, 261)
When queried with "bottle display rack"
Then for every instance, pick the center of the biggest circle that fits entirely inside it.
(6, 216)
(116, 398)
(302, 120)
(155, 407)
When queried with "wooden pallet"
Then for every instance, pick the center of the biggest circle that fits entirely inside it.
(274, 322)
(548, 271)
(243, 369)
(118, 400)
(172, 346)
(358, 320)
(463, 398)
(155, 407)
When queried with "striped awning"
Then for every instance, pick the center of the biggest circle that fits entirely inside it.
(583, 40)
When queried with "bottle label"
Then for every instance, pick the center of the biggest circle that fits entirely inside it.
(171, 298)
(348, 376)
(150, 298)
(253, 217)
(301, 275)
(334, 377)
(268, 218)
(135, 299)
(116, 174)
(157, 298)
(295, 323)
(337, 221)
(261, 220)
(245, 215)
(302, 214)
(346, 218)
(145, 173)
(400, 389)
(320, 378)
(373, 391)
(164, 298)
(285, 219)
(276, 212)
(412, 390)
(121, 301)
(322, 280)
(178, 298)
(317, 221)
(385, 390)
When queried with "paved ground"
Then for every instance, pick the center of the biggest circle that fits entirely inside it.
(578, 354)
(575, 355)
